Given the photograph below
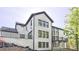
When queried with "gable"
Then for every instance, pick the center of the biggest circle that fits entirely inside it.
(44, 14)
(34, 14)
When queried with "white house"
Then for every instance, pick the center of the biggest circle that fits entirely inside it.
(37, 33)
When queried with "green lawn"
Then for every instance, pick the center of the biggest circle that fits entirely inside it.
(62, 49)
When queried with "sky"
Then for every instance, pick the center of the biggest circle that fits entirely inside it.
(10, 15)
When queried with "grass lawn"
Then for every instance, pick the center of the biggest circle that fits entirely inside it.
(63, 49)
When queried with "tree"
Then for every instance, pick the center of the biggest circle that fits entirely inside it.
(72, 25)
(71, 44)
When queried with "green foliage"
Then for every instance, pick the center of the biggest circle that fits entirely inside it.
(71, 43)
(72, 25)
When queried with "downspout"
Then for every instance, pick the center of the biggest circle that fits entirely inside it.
(33, 32)
(51, 38)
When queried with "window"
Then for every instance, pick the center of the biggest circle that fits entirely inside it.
(47, 44)
(47, 24)
(57, 32)
(53, 37)
(39, 22)
(30, 35)
(43, 23)
(53, 33)
(43, 44)
(43, 34)
(47, 34)
(22, 36)
(39, 44)
(39, 33)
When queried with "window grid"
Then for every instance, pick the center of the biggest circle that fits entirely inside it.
(43, 34)
(39, 33)
(43, 23)
(43, 44)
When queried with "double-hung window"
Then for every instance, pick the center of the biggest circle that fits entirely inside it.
(43, 34)
(47, 44)
(47, 34)
(39, 33)
(39, 22)
(39, 44)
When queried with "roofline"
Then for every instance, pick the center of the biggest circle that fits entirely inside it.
(58, 28)
(17, 23)
(38, 14)
(32, 16)
(29, 20)
(8, 31)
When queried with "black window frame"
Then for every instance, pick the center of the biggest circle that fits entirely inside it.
(44, 34)
(47, 24)
(39, 22)
(47, 34)
(43, 44)
(40, 33)
(47, 44)
(39, 44)
(30, 35)
(43, 23)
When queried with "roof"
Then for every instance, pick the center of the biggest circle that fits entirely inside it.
(17, 23)
(57, 28)
(6, 29)
(43, 12)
